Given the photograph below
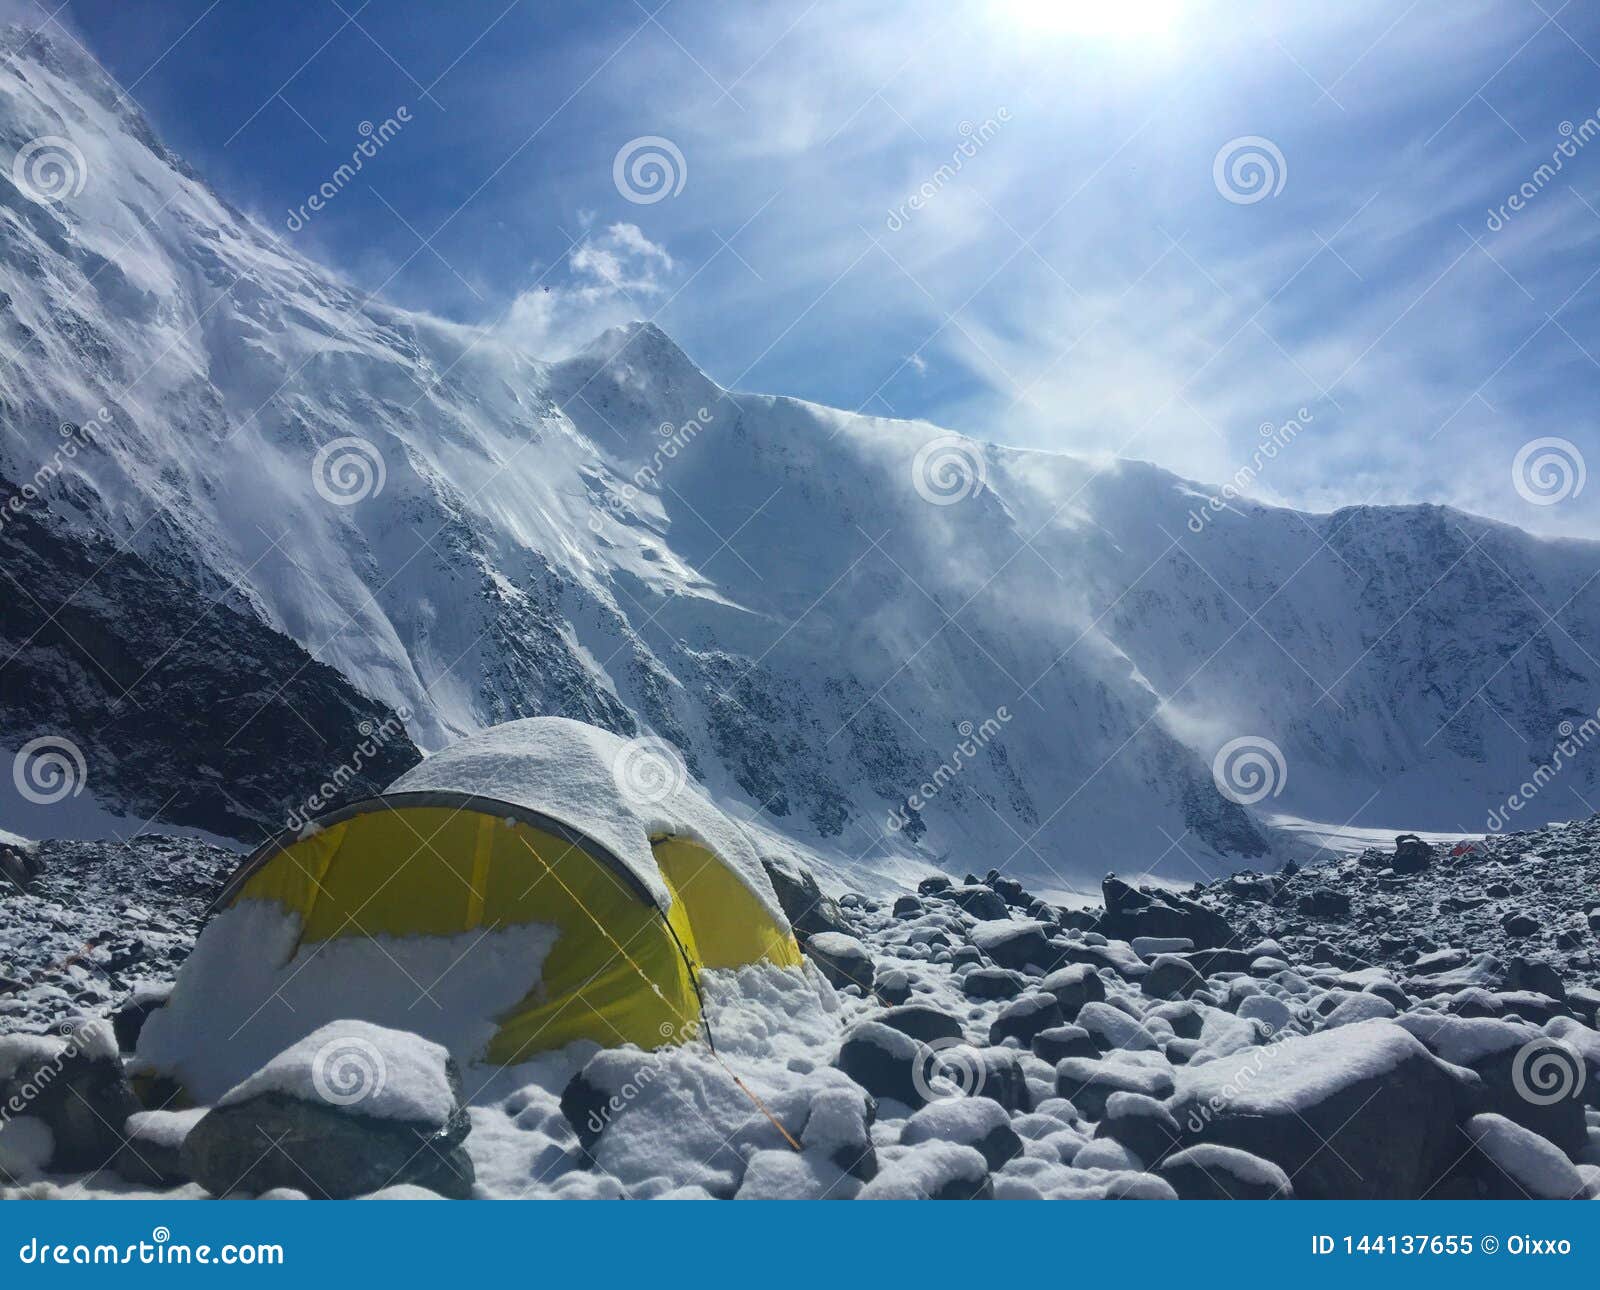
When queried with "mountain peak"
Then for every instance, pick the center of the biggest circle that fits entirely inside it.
(640, 343)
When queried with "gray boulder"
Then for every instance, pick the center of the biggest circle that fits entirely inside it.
(1074, 986)
(1171, 977)
(804, 904)
(1025, 1018)
(350, 1109)
(74, 1084)
(844, 960)
(1016, 943)
(974, 1122)
(887, 1063)
(1211, 1172)
(1385, 1105)
(1089, 1084)
(921, 1021)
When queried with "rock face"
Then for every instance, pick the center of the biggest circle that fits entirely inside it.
(300, 1122)
(1387, 1106)
(192, 743)
(804, 903)
(1411, 854)
(19, 866)
(1130, 913)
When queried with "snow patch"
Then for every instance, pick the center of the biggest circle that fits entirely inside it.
(250, 990)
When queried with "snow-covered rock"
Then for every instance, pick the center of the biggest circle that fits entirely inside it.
(349, 1110)
(1521, 1164)
(1383, 1101)
(1212, 1172)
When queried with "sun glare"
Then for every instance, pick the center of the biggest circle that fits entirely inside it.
(1104, 19)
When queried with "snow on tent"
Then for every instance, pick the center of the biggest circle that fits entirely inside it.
(538, 883)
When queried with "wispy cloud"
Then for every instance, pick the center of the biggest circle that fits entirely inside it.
(1078, 282)
(608, 277)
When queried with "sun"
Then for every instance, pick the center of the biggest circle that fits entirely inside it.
(1104, 19)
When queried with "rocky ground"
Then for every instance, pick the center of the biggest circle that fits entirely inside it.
(1531, 896)
(1409, 1023)
(83, 923)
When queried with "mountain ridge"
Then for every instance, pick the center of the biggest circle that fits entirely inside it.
(815, 607)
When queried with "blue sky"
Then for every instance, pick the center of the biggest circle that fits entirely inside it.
(1083, 274)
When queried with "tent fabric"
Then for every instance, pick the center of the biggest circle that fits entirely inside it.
(622, 793)
(630, 934)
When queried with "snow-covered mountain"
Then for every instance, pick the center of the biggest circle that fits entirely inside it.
(828, 614)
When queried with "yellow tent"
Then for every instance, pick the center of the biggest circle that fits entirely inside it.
(606, 879)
